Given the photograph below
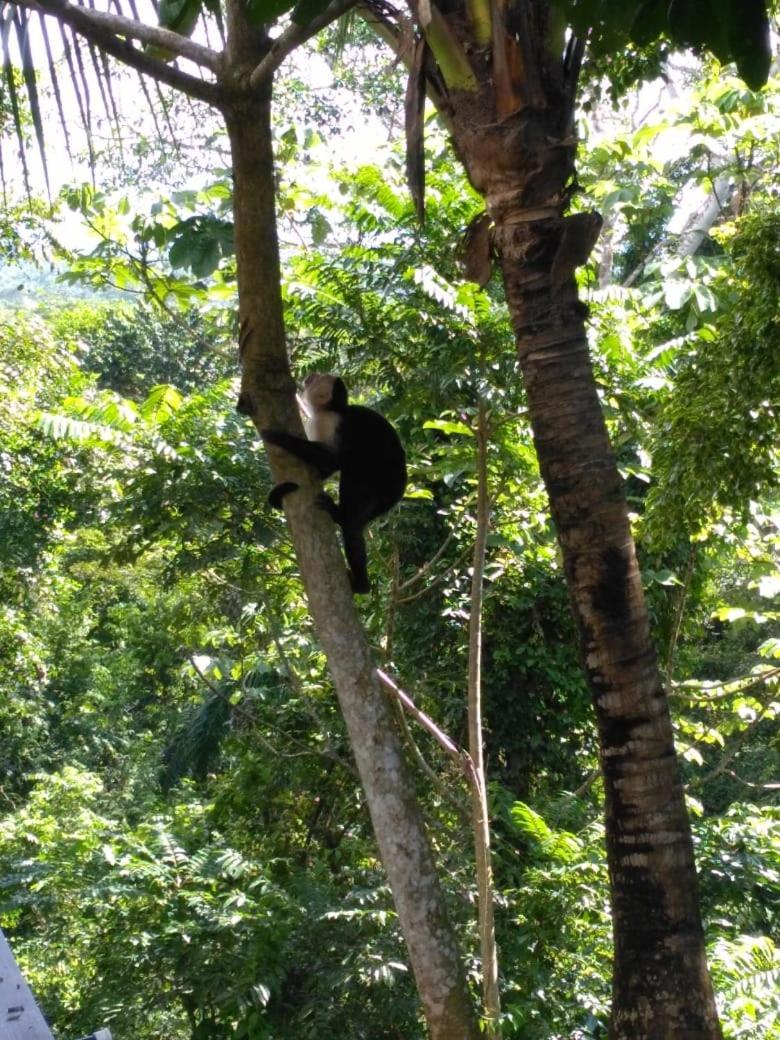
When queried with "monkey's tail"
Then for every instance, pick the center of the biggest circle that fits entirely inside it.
(276, 494)
(355, 551)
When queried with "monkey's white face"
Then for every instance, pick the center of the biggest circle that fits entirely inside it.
(318, 390)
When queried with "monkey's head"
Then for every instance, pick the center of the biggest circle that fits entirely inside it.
(325, 392)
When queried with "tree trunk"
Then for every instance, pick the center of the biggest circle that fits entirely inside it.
(268, 395)
(522, 164)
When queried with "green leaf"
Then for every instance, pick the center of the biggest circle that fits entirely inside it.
(306, 10)
(448, 426)
(261, 12)
(161, 403)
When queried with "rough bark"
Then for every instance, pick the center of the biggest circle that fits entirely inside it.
(522, 165)
(268, 395)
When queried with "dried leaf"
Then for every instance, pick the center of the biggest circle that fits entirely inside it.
(415, 136)
(476, 251)
(578, 237)
(507, 64)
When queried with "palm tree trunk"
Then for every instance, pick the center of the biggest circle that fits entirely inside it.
(661, 986)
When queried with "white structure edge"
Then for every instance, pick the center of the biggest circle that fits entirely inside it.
(20, 1016)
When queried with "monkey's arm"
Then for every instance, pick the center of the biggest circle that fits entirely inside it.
(315, 453)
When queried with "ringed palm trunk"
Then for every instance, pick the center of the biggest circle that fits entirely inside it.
(522, 165)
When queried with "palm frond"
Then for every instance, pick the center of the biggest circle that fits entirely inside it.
(13, 97)
(55, 82)
(21, 24)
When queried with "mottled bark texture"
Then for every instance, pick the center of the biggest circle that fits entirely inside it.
(523, 164)
(267, 394)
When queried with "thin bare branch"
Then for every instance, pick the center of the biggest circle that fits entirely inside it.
(461, 758)
(293, 36)
(679, 615)
(438, 578)
(242, 712)
(588, 782)
(723, 690)
(748, 783)
(428, 564)
(732, 752)
(425, 767)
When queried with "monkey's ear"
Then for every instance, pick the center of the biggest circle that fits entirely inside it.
(338, 398)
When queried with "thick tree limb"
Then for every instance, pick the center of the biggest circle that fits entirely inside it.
(113, 34)
(133, 29)
(293, 36)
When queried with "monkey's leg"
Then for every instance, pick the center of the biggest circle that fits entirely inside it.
(354, 542)
(355, 551)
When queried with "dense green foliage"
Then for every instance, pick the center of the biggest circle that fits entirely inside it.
(184, 851)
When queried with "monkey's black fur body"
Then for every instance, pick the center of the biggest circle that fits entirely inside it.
(360, 443)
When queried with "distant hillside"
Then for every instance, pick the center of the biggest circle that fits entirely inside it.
(26, 285)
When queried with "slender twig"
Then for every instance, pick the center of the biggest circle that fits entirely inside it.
(437, 579)
(428, 564)
(303, 699)
(679, 615)
(425, 767)
(241, 711)
(727, 689)
(392, 605)
(733, 751)
(589, 780)
(461, 758)
(747, 783)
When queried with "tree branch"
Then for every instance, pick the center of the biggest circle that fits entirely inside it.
(422, 571)
(736, 746)
(113, 34)
(461, 758)
(293, 36)
(157, 35)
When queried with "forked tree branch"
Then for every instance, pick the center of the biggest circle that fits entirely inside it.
(113, 34)
(293, 36)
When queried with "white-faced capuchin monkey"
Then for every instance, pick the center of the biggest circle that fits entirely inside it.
(360, 443)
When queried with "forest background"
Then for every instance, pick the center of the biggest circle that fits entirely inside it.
(184, 849)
